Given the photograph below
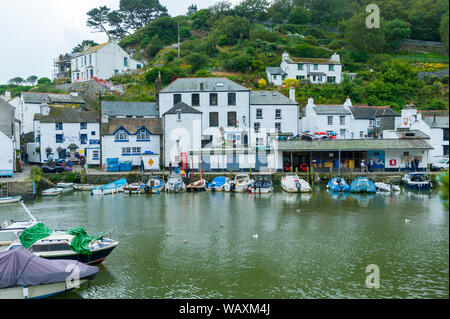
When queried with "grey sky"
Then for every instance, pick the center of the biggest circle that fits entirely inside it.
(34, 32)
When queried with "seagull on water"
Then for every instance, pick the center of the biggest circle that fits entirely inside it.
(407, 220)
(255, 236)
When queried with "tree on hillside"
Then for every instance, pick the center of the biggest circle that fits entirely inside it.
(299, 15)
(425, 19)
(139, 13)
(395, 31)
(116, 21)
(98, 19)
(43, 81)
(279, 10)
(221, 9)
(80, 47)
(444, 30)
(329, 12)
(16, 81)
(233, 28)
(191, 10)
(253, 10)
(32, 79)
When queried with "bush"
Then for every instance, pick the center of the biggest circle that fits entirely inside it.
(309, 51)
(334, 45)
(290, 82)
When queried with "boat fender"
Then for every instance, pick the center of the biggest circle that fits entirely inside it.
(299, 186)
(393, 162)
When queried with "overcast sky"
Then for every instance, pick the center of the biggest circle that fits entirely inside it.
(34, 32)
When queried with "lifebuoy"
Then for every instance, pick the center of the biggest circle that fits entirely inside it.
(393, 162)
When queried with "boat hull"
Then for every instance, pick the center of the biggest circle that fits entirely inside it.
(96, 257)
(11, 199)
(36, 292)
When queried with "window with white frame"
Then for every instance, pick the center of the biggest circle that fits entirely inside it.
(95, 154)
(58, 126)
(121, 135)
(256, 126)
(377, 122)
(278, 114)
(330, 120)
(259, 113)
(143, 135)
(361, 134)
(126, 150)
(342, 120)
(278, 127)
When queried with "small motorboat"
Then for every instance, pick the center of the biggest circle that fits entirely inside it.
(198, 186)
(417, 181)
(154, 185)
(65, 185)
(85, 187)
(10, 199)
(362, 185)
(52, 192)
(134, 188)
(26, 276)
(383, 187)
(175, 184)
(291, 183)
(338, 184)
(241, 183)
(263, 184)
(218, 184)
(114, 187)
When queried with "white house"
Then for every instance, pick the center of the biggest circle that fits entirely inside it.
(15, 103)
(65, 132)
(371, 121)
(30, 104)
(131, 131)
(7, 139)
(102, 62)
(316, 70)
(438, 121)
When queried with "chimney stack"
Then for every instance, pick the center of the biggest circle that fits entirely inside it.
(292, 93)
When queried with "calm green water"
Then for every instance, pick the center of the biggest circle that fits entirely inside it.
(308, 245)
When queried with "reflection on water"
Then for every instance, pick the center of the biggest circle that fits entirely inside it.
(308, 246)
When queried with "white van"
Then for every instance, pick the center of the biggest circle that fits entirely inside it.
(442, 165)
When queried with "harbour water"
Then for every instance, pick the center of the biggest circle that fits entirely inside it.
(201, 245)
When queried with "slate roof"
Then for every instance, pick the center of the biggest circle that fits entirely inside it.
(68, 115)
(275, 70)
(438, 122)
(353, 145)
(269, 98)
(331, 110)
(133, 126)
(294, 60)
(209, 85)
(38, 98)
(119, 108)
(370, 112)
(7, 118)
(93, 49)
(184, 108)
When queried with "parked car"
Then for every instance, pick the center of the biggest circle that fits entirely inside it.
(303, 167)
(442, 165)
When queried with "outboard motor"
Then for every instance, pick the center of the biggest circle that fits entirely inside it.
(232, 186)
(299, 186)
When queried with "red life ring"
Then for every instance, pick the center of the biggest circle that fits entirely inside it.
(393, 162)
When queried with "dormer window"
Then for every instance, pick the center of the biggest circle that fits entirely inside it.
(121, 136)
(143, 135)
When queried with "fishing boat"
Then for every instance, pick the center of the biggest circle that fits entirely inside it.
(154, 185)
(362, 185)
(52, 192)
(134, 188)
(175, 184)
(383, 187)
(198, 186)
(217, 184)
(417, 181)
(10, 199)
(85, 187)
(26, 276)
(114, 187)
(291, 183)
(263, 184)
(241, 183)
(338, 184)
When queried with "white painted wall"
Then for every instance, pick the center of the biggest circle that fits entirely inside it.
(6, 155)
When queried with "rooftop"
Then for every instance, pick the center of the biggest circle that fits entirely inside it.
(67, 114)
(203, 84)
(118, 108)
(38, 98)
(183, 108)
(132, 126)
(269, 98)
(294, 60)
(370, 112)
(331, 110)
(275, 70)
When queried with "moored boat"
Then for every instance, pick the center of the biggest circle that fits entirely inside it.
(65, 185)
(52, 192)
(417, 181)
(263, 184)
(154, 185)
(10, 199)
(241, 183)
(362, 185)
(26, 276)
(291, 183)
(114, 187)
(85, 187)
(217, 184)
(198, 186)
(338, 184)
(175, 184)
(134, 188)
(383, 187)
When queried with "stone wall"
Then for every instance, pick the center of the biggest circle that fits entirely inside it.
(24, 189)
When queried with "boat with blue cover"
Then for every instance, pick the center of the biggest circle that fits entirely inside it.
(218, 184)
(417, 180)
(362, 185)
(110, 188)
(338, 184)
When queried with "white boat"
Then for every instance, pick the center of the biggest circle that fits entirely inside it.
(10, 199)
(240, 184)
(175, 184)
(114, 187)
(26, 276)
(154, 185)
(291, 183)
(134, 188)
(52, 192)
(65, 185)
(418, 181)
(263, 184)
(85, 187)
(383, 187)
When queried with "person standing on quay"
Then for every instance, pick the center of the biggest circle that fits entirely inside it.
(407, 165)
(170, 167)
(363, 166)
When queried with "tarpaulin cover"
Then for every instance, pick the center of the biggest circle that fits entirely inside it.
(19, 267)
(80, 243)
(33, 234)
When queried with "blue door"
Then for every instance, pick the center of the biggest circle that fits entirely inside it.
(261, 162)
(206, 163)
